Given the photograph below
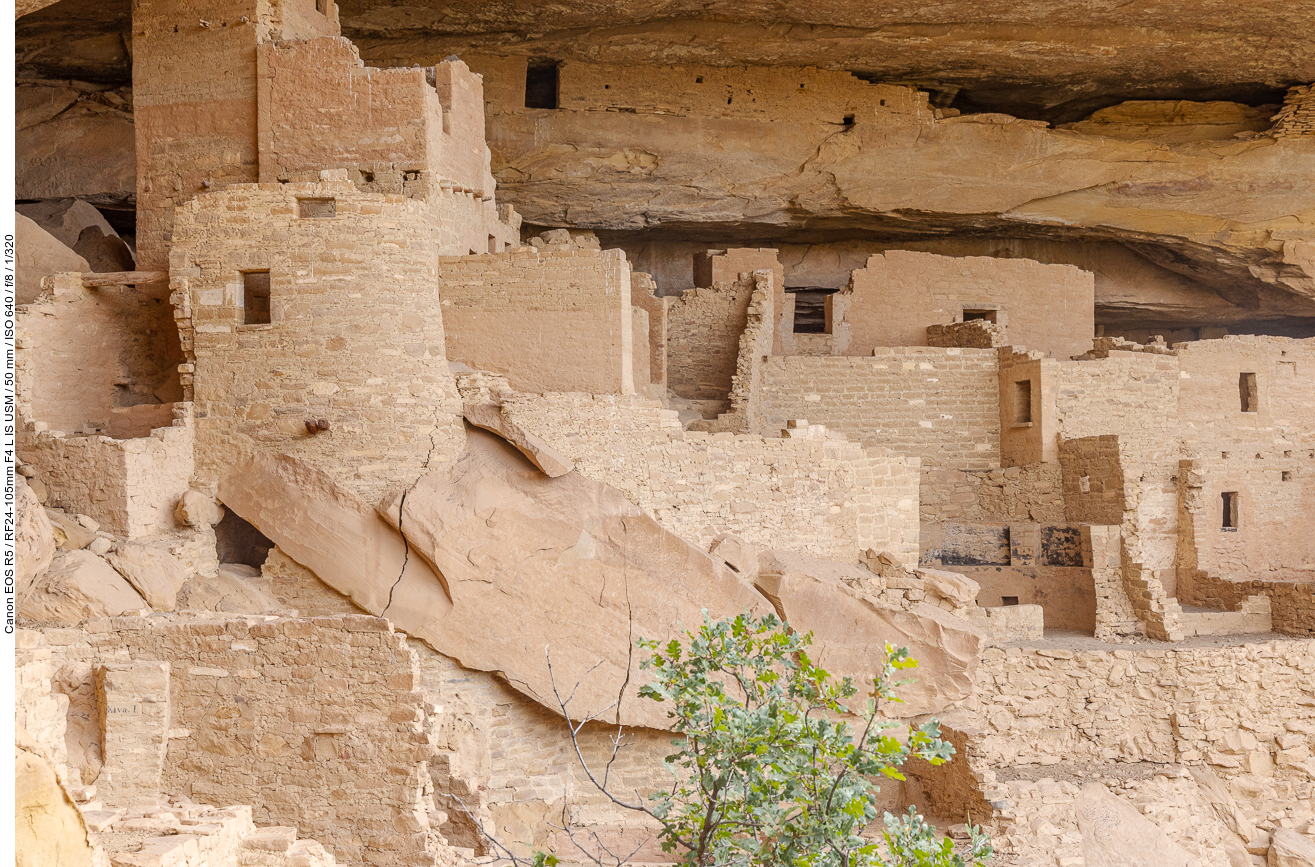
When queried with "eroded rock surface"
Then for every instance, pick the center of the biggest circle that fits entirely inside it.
(565, 564)
(77, 586)
(850, 630)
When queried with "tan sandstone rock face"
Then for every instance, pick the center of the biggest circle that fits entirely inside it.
(79, 585)
(155, 574)
(34, 540)
(195, 509)
(1115, 834)
(568, 564)
(230, 590)
(849, 629)
(1287, 848)
(491, 418)
(48, 829)
(40, 254)
(336, 535)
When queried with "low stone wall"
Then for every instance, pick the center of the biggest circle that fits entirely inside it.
(1247, 706)
(317, 722)
(129, 486)
(1292, 603)
(810, 494)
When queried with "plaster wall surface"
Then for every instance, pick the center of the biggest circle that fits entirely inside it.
(893, 300)
(554, 321)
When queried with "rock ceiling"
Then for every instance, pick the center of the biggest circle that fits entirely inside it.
(988, 53)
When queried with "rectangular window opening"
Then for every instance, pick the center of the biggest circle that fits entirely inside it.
(541, 85)
(1246, 387)
(1287, 475)
(322, 6)
(810, 308)
(1023, 402)
(493, 244)
(317, 209)
(1008, 600)
(985, 315)
(255, 298)
(1230, 504)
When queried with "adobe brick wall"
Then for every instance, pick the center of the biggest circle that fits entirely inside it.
(893, 300)
(940, 405)
(548, 321)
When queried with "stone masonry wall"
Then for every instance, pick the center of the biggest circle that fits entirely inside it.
(194, 99)
(1209, 398)
(316, 722)
(548, 321)
(893, 300)
(1297, 117)
(1234, 707)
(82, 353)
(415, 132)
(1292, 602)
(1274, 534)
(356, 334)
(1093, 480)
(1132, 394)
(940, 405)
(812, 494)
(129, 486)
(703, 339)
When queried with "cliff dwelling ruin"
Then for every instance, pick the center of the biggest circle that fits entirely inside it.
(364, 349)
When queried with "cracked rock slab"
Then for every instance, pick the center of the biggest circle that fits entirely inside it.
(566, 564)
(850, 629)
(491, 418)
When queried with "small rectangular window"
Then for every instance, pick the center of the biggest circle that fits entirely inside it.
(317, 208)
(541, 85)
(1023, 402)
(1008, 600)
(255, 298)
(493, 244)
(1287, 475)
(1246, 387)
(1230, 504)
(322, 6)
(986, 315)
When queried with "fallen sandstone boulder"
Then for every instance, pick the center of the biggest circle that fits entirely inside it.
(1287, 848)
(566, 565)
(850, 628)
(77, 586)
(34, 539)
(48, 829)
(155, 574)
(490, 417)
(340, 538)
(1116, 834)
